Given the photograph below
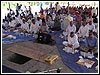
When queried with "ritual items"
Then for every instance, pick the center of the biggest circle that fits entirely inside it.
(51, 58)
(85, 62)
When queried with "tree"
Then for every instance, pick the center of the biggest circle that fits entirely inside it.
(46, 3)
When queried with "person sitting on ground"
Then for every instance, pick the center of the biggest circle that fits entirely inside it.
(72, 43)
(24, 26)
(38, 21)
(36, 15)
(13, 22)
(83, 30)
(57, 23)
(4, 25)
(91, 26)
(43, 36)
(33, 27)
(71, 28)
(91, 43)
(43, 27)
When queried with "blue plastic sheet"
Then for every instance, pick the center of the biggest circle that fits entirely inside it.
(19, 38)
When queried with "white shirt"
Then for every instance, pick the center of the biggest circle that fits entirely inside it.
(20, 21)
(91, 27)
(13, 23)
(38, 22)
(71, 29)
(34, 28)
(36, 16)
(73, 40)
(83, 31)
(58, 7)
(25, 26)
(94, 11)
(29, 21)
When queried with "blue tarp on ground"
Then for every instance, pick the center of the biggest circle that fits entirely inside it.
(71, 59)
(19, 38)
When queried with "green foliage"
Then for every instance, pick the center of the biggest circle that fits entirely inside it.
(47, 3)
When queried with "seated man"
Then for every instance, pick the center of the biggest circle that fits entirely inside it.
(43, 36)
(83, 31)
(91, 26)
(34, 27)
(91, 43)
(72, 43)
(4, 24)
(57, 23)
(70, 28)
(24, 26)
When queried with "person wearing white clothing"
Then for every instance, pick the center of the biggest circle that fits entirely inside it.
(34, 28)
(36, 15)
(29, 21)
(38, 21)
(58, 7)
(94, 11)
(25, 26)
(13, 22)
(91, 26)
(83, 30)
(71, 28)
(72, 43)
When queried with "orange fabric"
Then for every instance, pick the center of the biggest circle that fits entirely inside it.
(42, 16)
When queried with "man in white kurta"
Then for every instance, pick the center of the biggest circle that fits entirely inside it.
(72, 43)
(91, 26)
(94, 11)
(83, 30)
(34, 28)
(25, 26)
(13, 23)
(38, 22)
(71, 28)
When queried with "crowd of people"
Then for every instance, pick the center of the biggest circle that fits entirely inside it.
(75, 23)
